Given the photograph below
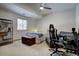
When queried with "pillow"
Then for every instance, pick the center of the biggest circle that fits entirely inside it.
(34, 34)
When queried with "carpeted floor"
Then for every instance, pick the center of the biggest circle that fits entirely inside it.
(19, 49)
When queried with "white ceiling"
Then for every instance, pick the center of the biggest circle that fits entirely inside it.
(56, 7)
(33, 9)
(61, 6)
(18, 9)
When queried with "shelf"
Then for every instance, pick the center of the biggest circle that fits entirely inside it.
(6, 41)
(6, 30)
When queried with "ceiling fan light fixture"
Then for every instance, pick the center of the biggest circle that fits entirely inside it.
(41, 8)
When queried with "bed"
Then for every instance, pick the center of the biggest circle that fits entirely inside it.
(39, 37)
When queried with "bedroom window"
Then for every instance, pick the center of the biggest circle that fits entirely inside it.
(21, 24)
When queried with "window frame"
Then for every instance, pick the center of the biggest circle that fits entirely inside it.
(21, 24)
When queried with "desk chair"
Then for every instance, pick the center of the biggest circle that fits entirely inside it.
(57, 45)
(72, 44)
(71, 47)
(54, 41)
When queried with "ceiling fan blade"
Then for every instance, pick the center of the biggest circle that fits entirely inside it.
(47, 8)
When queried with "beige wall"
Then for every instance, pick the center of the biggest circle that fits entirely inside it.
(12, 16)
(63, 21)
(77, 18)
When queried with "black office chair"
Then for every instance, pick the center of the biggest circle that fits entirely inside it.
(52, 35)
(72, 45)
(54, 40)
(57, 46)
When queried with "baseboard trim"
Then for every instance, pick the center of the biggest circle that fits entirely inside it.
(16, 39)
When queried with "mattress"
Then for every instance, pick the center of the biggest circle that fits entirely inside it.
(38, 36)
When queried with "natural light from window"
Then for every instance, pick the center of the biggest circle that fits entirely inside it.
(21, 24)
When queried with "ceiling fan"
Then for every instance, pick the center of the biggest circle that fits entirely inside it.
(42, 6)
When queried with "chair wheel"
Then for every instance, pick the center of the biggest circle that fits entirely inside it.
(50, 49)
(50, 54)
